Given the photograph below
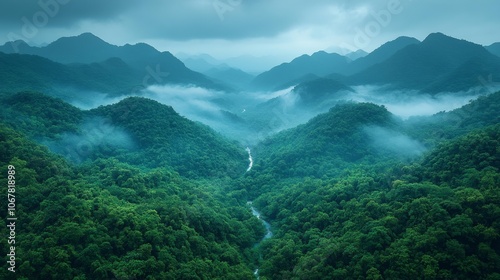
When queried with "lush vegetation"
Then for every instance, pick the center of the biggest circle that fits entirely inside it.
(166, 198)
(110, 220)
(327, 144)
(437, 219)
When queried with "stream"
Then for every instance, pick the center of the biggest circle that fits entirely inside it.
(250, 159)
(256, 212)
(269, 233)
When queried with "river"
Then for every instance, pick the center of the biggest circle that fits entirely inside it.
(269, 233)
(250, 159)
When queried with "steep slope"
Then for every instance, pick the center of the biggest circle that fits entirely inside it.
(437, 218)
(449, 125)
(110, 220)
(158, 67)
(480, 73)
(315, 92)
(494, 49)
(38, 115)
(135, 130)
(356, 55)
(330, 142)
(167, 139)
(320, 64)
(236, 78)
(30, 72)
(380, 54)
(418, 65)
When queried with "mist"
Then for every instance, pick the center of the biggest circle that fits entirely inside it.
(393, 142)
(411, 103)
(95, 135)
(250, 117)
(240, 116)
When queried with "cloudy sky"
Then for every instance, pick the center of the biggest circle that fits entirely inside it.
(227, 28)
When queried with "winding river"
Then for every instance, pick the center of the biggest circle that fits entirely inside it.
(269, 233)
(250, 159)
(256, 212)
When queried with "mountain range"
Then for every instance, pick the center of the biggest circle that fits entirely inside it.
(319, 185)
(145, 64)
(438, 63)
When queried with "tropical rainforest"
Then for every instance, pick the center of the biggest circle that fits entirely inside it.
(133, 189)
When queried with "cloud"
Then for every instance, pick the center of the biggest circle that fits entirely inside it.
(257, 27)
(410, 103)
(389, 141)
(63, 12)
(95, 135)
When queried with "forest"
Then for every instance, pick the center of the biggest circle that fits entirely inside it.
(168, 197)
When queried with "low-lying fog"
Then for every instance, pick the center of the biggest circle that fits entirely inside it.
(249, 117)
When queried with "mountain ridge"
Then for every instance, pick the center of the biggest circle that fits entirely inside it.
(153, 65)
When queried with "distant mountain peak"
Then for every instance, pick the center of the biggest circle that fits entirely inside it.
(86, 39)
(356, 54)
(441, 38)
(319, 53)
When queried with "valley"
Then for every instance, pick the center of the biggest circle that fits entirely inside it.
(131, 165)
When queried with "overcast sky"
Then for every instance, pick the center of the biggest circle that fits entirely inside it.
(226, 28)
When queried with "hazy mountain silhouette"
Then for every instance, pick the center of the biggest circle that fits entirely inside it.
(380, 54)
(154, 66)
(320, 64)
(494, 49)
(418, 65)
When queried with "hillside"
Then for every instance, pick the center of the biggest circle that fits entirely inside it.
(39, 116)
(111, 220)
(167, 139)
(158, 67)
(380, 54)
(319, 63)
(494, 49)
(319, 185)
(135, 130)
(418, 65)
(29, 72)
(478, 113)
(433, 219)
(317, 91)
(326, 144)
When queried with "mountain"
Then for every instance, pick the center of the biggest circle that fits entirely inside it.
(327, 143)
(115, 214)
(136, 130)
(252, 64)
(480, 73)
(356, 55)
(29, 72)
(494, 49)
(153, 66)
(318, 91)
(233, 77)
(167, 139)
(420, 220)
(39, 116)
(320, 64)
(478, 113)
(202, 62)
(418, 65)
(380, 54)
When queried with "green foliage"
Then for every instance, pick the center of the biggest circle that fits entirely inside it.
(167, 139)
(107, 219)
(39, 115)
(168, 209)
(448, 125)
(437, 219)
(325, 145)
